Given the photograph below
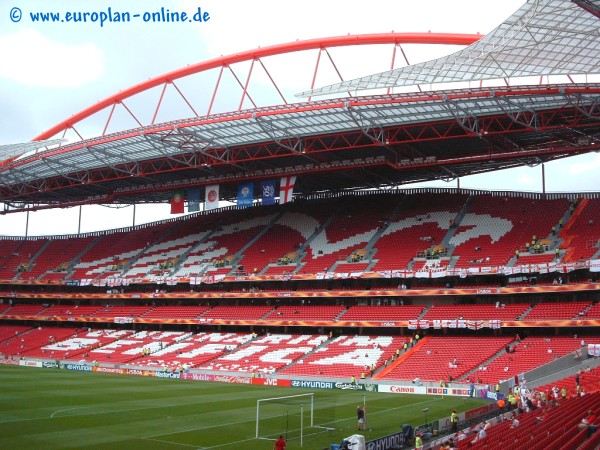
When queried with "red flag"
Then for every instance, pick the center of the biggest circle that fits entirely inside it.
(177, 203)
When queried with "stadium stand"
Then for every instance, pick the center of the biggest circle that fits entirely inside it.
(496, 226)
(544, 427)
(306, 312)
(580, 233)
(53, 260)
(420, 223)
(175, 312)
(16, 257)
(433, 358)
(486, 312)
(557, 310)
(194, 350)
(265, 355)
(347, 357)
(381, 313)
(525, 355)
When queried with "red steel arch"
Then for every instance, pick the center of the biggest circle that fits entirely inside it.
(256, 54)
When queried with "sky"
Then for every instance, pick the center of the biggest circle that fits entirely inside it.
(51, 71)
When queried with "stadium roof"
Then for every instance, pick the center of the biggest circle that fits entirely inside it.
(362, 142)
(543, 37)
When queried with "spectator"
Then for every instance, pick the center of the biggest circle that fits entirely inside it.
(515, 421)
(480, 436)
(454, 421)
(418, 441)
(589, 422)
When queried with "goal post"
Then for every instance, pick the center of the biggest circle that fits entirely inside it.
(288, 415)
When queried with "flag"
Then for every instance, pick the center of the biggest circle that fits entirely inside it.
(286, 189)
(245, 194)
(177, 203)
(193, 200)
(268, 192)
(211, 200)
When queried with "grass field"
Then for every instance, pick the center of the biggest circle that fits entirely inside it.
(60, 409)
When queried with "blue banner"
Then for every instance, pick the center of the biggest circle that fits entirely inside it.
(245, 195)
(193, 199)
(268, 192)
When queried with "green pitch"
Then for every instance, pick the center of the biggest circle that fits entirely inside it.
(59, 409)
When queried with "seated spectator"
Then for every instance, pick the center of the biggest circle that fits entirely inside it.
(515, 422)
(589, 422)
(480, 436)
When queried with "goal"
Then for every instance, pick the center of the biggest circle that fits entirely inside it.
(291, 416)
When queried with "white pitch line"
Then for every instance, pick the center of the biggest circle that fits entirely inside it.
(201, 428)
(173, 443)
(108, 412)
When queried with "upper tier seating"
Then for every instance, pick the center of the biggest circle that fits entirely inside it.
(495, 227)
(390, 230)
(114, 250)
(175, 312)
(10, 258)
(280, 270)
(235, 230)
(381, 313)
(422, 222)
(237, 312)
(350, 268)
(353, 223)
(592, 313)
(284, 236)
(18, 253)
(23, 309)
(557, 310)
(305, 312)
(582, 236)
(476, 312)
(68, 311)
(127, 311)
(56, 253)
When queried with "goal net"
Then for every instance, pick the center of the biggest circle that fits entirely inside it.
(292, 416)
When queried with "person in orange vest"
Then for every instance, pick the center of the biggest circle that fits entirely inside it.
(501, 404)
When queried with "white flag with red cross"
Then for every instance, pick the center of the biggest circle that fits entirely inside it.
(286, 189)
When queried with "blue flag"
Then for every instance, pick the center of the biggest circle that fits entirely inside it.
(245, 195)
(193, 199)
(268, 192)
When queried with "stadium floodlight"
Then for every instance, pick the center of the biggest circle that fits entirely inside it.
(286, 416)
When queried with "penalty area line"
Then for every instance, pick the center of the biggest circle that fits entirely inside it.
(164, 441)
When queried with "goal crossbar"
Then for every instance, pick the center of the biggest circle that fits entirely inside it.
(309, 396)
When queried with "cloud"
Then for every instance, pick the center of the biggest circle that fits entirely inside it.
(526, 179)
(32, 59)
(592, 164)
